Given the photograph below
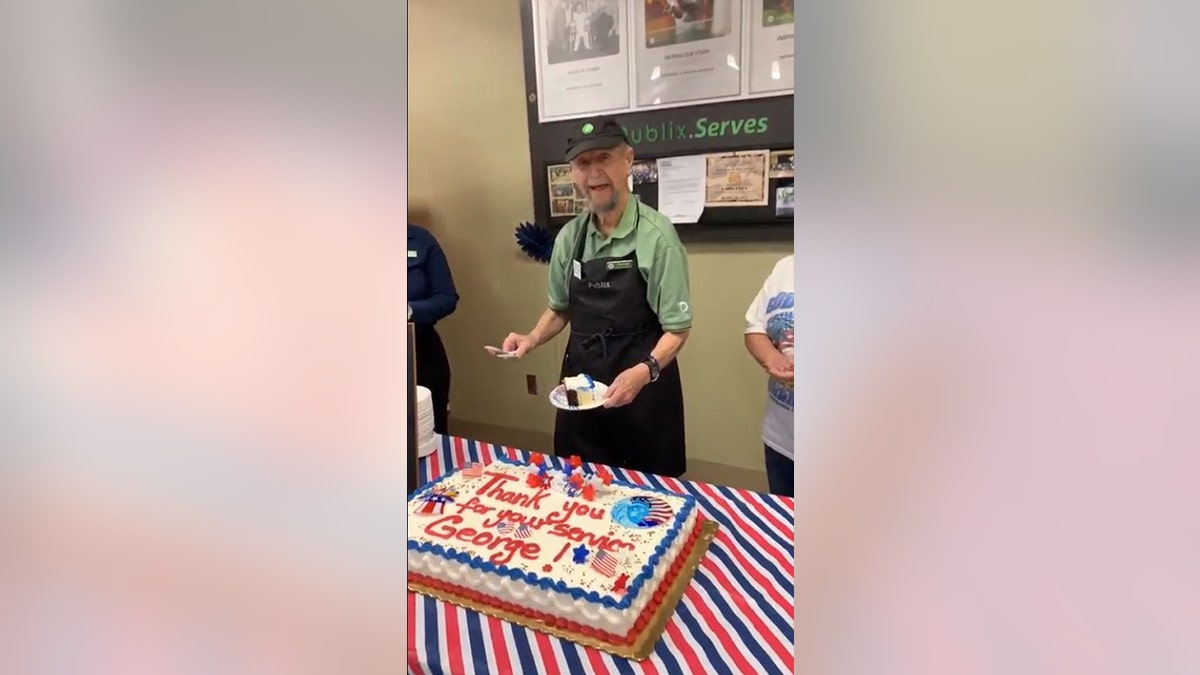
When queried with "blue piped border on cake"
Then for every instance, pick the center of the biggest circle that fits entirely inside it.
(575, 592)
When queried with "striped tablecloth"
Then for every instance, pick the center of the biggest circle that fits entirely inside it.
(735, 618)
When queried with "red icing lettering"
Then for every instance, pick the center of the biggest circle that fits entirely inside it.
(494, 489)
(562, 551)
(506, 547)
(475, 506)
(582, 509)
(495, 481)
(443, 533)
(534, 522)
(576, 534)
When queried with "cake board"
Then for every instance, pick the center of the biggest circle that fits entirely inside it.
(641, 647)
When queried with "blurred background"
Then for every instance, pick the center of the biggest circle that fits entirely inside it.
(200, 211)
(201, 223)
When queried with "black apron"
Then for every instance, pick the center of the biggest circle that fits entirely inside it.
(613, 327)
(433, 372)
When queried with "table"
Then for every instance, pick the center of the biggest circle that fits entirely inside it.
(736, 617)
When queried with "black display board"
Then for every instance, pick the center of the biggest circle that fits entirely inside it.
(414, 480)
(745, 124)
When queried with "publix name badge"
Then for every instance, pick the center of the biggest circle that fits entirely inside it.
(620, 264)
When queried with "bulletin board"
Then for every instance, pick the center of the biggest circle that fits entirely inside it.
(741, 117)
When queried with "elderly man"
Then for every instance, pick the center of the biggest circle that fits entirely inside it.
(618, 277)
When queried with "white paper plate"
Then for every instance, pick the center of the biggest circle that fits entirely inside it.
(430, 447)
(558, 398)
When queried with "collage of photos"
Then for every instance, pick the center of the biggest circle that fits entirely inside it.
(670, 22)
(565, 199)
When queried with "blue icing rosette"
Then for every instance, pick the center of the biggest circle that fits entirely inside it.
(642, 512)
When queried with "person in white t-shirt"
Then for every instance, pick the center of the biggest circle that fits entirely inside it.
(769, 338)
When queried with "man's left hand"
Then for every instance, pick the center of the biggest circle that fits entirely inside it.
(626, 387)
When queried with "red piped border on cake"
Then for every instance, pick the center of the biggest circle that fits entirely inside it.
(480, 598)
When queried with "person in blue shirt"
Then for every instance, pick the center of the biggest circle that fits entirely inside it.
(431, 298)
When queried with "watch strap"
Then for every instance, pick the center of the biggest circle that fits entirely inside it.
(652, 364)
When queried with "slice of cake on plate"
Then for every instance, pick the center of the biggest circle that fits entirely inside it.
(581, 390)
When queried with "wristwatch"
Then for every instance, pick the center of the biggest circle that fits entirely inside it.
(652, 364)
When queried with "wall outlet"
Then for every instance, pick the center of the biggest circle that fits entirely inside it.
(531, 384)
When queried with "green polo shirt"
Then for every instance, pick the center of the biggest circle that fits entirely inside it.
(660, 256)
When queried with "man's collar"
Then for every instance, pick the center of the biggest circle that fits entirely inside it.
(624, 226)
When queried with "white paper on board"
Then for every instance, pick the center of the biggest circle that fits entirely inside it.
(687, 51)
(681, 188)
(582, 56)
(772, 34)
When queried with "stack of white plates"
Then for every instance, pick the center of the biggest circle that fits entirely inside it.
(427, 441)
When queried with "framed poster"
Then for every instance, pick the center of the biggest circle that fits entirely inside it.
(582, 56)
(737, 179)
(687, 50)
(772, 30)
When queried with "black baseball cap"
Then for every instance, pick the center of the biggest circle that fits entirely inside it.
(601, 133)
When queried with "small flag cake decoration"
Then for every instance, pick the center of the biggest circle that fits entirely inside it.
(605, 563)
(434, 502)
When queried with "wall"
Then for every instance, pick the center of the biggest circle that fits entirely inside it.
(469, 183)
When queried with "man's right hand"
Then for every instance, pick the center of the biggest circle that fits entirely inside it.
(518, 345)
(780, 368)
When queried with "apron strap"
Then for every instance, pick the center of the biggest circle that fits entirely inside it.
(590, 339)
(580, 241)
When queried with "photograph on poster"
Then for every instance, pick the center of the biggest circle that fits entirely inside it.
(777, 12)
(687, 50)
(736, 179)
(785, 200)
(581, 29)
(782, 165)
(644, 172)
(562, 207)
(772, 46)
(564, 194)
(669, 22)
(583, 56)
(559, 173)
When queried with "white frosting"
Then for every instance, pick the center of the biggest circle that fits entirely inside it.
(579, 382)
(583, 386)
(554, 520)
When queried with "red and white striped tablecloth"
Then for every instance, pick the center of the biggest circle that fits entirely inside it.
(735, 618)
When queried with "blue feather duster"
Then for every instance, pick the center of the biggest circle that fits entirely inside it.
(536, 241)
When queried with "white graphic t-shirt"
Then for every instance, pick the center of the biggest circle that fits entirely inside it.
(772, 314)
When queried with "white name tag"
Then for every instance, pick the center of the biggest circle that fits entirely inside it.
(412, 254)
(577, 269)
